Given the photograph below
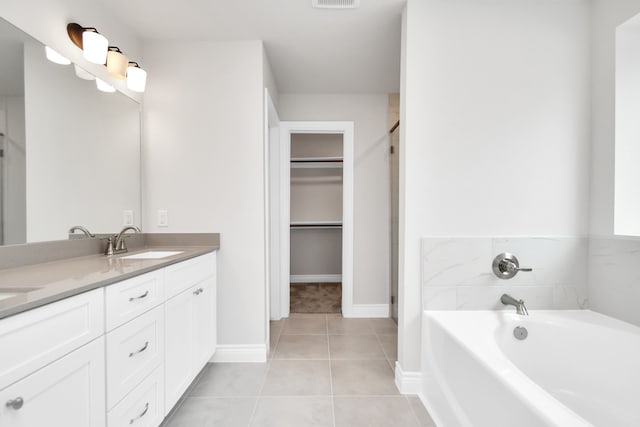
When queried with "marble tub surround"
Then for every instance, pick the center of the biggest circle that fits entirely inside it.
(614, 276)
(456, 272)
(49, 281)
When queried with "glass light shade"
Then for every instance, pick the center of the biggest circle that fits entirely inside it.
(94, 47)
(117, 64)
(104, 86)
(136, 78)
(83, 74)
(55, 57)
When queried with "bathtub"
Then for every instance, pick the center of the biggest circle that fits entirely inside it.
(574, 369)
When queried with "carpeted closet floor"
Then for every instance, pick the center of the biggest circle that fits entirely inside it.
(315, 297)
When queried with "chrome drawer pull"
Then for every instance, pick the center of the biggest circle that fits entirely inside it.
(140, 297)
(15, 403)
(198, 291)
(146, 408)
(146, 344)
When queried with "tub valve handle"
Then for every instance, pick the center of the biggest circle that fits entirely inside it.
(506, 265)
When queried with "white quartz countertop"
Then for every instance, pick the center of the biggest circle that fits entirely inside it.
(52, 281)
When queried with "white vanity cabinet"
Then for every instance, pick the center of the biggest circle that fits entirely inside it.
(114, 356)
(190, 323)
(52, 364)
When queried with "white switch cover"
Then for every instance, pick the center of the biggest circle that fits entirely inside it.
(163, 218)
(127, 218)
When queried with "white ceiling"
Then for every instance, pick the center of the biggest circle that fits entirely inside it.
(310, 50)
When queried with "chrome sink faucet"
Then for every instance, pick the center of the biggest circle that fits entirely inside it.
(116, 243)
(521, 309)
(83, 229)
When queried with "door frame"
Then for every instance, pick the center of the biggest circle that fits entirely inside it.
(346, 128)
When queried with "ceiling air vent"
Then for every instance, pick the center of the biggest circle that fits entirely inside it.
(335, 4)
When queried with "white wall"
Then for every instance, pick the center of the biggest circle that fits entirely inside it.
(371, 180)
(204, 164)
(46, 21)
(494, 128)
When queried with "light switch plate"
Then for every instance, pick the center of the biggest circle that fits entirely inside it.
(163, 218)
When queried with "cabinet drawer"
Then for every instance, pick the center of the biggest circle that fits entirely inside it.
(132, 297)
(37, 337)
(134, 350)
(143, 406)
(183, 275)
(69, 392)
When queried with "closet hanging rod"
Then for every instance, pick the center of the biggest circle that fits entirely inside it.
(394, 127)
(317, 160)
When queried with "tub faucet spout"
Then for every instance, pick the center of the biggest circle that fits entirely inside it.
(521, 309)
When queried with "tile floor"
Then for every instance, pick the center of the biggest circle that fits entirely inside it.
(323, 371)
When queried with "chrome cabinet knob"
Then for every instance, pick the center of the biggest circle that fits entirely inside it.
(15, 403)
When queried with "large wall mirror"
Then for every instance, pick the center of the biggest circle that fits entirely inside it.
(70, 153)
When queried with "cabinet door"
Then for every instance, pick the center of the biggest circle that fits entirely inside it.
(178, 346)
(204, 323)
(69, 392)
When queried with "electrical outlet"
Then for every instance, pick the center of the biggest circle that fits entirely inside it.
(163, 218)
(127, 218)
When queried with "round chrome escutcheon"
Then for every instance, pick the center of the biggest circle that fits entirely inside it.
(520, 332)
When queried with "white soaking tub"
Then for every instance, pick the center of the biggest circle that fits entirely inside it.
(574, 369)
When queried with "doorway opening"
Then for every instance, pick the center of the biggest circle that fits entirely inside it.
(316, 219)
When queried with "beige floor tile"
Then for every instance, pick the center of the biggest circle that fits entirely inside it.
(231, 379)
(362, 378)
(275, 327)
(389, 345)
(384, 326)
(355, 347)
(373, 412)
(341, 326)
(297, 378)
(302, 347)
(293, 412)
(213, 412)
(305, 325)
(424, 419)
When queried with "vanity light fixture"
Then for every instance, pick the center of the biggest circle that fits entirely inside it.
(93, 44)
(83, 74)
(55, 57)
(104, 86)
(95, 48)
(117, 63)
(136, 77)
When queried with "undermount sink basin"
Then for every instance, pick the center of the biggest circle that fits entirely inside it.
(152, 255)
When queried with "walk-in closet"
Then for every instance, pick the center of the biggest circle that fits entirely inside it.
(316, 209)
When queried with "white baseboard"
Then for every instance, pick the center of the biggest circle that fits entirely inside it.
(315, 278)
(369, 310)
(409, 382)
(240, 353)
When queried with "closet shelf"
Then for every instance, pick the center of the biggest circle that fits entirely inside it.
(316, 162)
(307, 225)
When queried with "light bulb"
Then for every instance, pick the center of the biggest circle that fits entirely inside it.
(117, 64)
(94, 47)
(136, 78)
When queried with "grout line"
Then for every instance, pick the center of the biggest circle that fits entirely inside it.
(333, 408)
